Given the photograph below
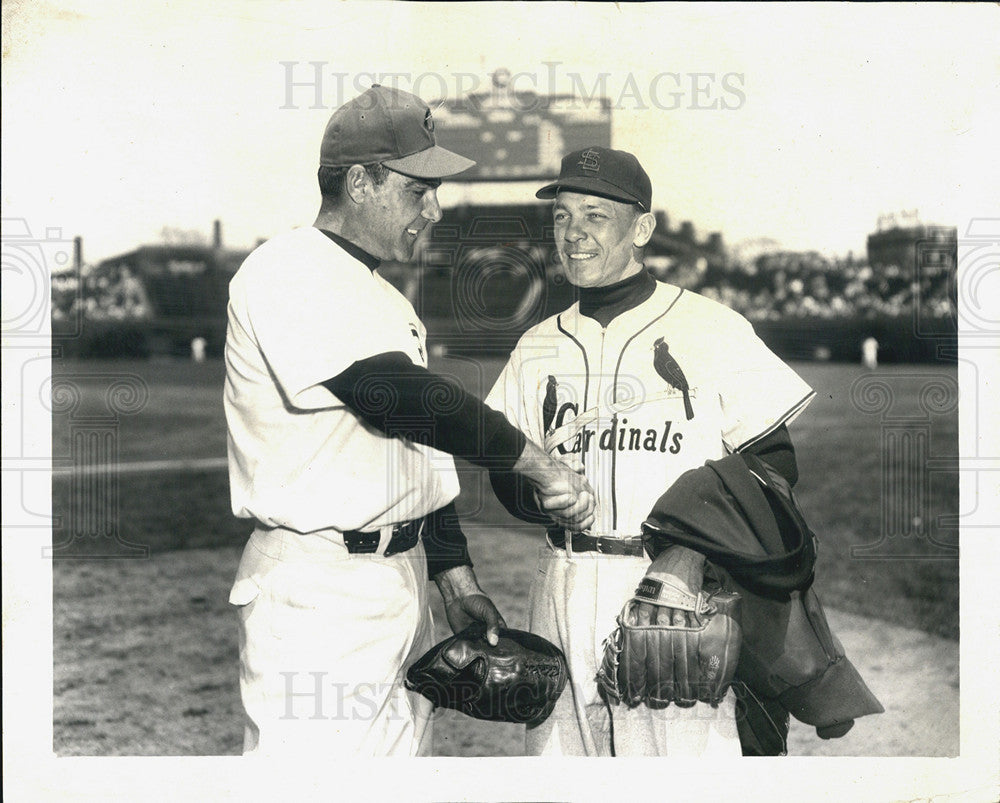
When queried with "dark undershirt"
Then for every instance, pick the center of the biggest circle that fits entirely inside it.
(435, 411)
(369, 261)
(604, 304)
(429, 408)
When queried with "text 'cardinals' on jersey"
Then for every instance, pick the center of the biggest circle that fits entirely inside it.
(667, 385)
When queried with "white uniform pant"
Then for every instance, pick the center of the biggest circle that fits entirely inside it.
(575, 600)
(325, 638)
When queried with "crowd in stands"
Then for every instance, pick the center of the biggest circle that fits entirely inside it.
(806, 285)
(112, 295)
(773, 286)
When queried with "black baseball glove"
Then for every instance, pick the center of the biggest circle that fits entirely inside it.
(519, 680)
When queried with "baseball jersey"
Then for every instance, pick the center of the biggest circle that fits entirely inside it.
(675, 381)
(302, 310)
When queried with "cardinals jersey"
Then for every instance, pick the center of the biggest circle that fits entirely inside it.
(673, 382)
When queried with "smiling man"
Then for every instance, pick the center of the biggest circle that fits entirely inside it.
(607, 251)
(635, 384)
(340, 455)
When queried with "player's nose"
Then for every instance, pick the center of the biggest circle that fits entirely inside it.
(574, 233)
(432, 209)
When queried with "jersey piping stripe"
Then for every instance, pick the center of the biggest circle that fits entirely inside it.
(794, 410)
(586, 362)
(614, 470)
(614, 419)
(618, 365)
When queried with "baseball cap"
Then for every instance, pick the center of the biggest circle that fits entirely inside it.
(388, 125)
(605, 172)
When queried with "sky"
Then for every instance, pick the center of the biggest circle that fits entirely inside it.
(120, 118)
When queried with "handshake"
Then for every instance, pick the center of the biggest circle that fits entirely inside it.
(561, 490)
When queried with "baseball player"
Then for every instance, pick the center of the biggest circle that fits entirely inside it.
(339, 445)
(636, 382)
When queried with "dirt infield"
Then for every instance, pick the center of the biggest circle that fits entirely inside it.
(146, 663)
(145, 650)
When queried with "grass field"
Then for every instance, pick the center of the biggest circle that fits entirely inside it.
(882, 552)
(145, 653)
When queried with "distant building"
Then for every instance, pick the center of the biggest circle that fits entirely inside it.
(153, 299)
(918, 249)
(180, 281)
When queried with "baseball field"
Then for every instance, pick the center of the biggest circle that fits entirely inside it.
(145, 643)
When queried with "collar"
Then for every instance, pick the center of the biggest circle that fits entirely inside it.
(603, 304)
(359, 254)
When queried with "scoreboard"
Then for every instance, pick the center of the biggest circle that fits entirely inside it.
(515, 136)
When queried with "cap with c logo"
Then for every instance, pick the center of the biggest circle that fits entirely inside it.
(392, 127)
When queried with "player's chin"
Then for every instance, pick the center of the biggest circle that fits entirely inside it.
(406, 249)
(581, 276)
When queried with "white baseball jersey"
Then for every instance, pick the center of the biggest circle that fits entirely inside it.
(617, 401)
(673, 382)
(301, 311)
(324, 635)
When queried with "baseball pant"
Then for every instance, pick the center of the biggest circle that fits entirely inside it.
(574, 602)
(325, 637)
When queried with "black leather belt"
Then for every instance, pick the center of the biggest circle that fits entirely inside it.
(582, 542)
(404, 537)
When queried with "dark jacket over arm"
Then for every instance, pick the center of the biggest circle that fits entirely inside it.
(740, 512)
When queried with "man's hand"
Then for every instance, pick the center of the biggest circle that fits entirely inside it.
(465, 602)
(569, 500)
(684, 569)
(562, 490)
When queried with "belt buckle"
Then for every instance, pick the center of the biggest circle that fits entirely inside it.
(409, 529)
(403, 537)
(609, 545)
(362, 543)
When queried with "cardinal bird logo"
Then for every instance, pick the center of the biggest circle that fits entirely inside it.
(549, 404)
(666, 366)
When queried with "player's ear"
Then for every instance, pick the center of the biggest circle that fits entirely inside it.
(356, 183)
(643, 228)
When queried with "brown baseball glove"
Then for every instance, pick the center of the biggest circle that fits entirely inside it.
(658, 663)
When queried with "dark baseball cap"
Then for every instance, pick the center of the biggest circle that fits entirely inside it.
(392, 127)
(605, 172)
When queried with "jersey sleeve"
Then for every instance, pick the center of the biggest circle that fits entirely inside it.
(313, 327)
(512, 395)
(758, 391)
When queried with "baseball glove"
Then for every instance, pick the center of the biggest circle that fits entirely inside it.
(519, 680)
(658, 664)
